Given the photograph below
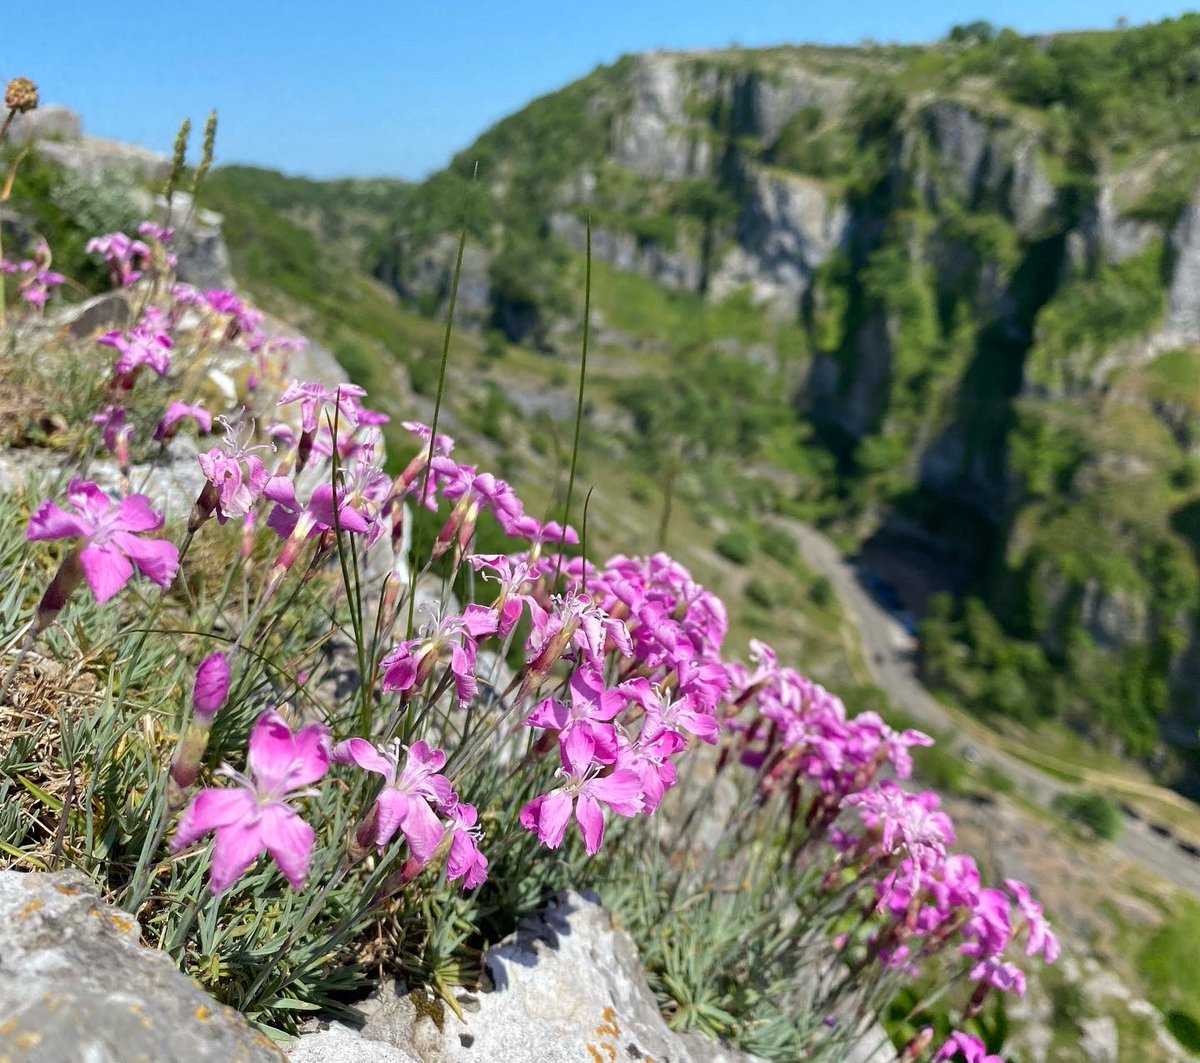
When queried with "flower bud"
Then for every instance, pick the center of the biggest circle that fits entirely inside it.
(185, 765)
(21, 95)
(211, 690)
(68, 577)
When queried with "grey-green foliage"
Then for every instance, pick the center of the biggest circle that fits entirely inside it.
(101, 202)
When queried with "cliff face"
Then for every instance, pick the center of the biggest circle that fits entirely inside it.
(991, 251)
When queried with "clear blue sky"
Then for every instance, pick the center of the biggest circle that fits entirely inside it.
(386, 87)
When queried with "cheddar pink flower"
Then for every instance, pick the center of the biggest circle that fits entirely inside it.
(255, 816)
(237, 476)
(465, 861)
(211, 689)
(314, 397)
(406, 803)
(968, 1046)
(410, 664)
(582, 792)
(111, 533)
(1041, 937)
(145, 345)
(178, 412)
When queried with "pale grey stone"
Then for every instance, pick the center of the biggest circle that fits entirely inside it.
(789, 225)
(567, 986)
(1099, 1041)
(343, 1044)
(678, 268)
(50, 121)
(76, 986)
(1183, 300)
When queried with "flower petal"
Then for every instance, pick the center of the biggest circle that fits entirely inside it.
(238, 845)
(289, 840)
(359, 751)
(50, 522)
(210, 809)
(106, 569)
(548, 817)
(422, 829)
(134, 514)
(158, 559)
(591, 822)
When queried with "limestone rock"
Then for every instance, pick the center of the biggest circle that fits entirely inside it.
(200, 244)
(789, 226)
(1099, 1042)
(676, 268)
(1183, 300)
(653, 138)
(50, 121)
(343, 1044)
(77, 985)
(567, 986)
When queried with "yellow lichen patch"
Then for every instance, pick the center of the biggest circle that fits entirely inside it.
(28, 1040)
(70, 891)
(595, 1054)
(203, 1013)
(8, 1027)
(609, 1027)
(30, 908)
(121, 923)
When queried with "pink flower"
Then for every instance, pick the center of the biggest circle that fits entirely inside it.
(1000, 974)
(409, 796)
(37, 289)
(254, 816)
(591, 710)
(115, 432)
(120, 252)
(990, 926)
(573, 619)
(111, 532)
(145, 345)
(181, 411)
(674, 714)
(470, 491)
(237, 477)
(156, 232)
(973, 1050)
(411, 663)
(582, 792)
(1041, 938)
(211, 689)
(324, 510)
(314, 397)
(465, 860)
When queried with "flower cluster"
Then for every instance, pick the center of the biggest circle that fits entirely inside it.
(619, 673)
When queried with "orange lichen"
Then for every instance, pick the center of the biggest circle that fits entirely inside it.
(30, 908)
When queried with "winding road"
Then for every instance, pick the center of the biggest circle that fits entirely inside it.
(894, 671)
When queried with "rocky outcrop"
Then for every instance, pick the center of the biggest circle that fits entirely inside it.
(1183, 298)
(657, 137)
(567, 986)
(77, 986)
(789, 225)
(58, 134)
(200, 245)
(982, 161)
(676, 268)
(424, 274)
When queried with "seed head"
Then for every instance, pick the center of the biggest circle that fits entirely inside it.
(21, 95)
